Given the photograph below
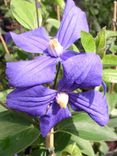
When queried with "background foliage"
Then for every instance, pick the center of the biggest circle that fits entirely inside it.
(18, 132)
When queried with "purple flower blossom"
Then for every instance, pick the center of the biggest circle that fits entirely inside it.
(42, 69)
(52, 106)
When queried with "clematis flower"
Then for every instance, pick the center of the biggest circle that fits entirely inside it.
(42, 69)
(52, 106)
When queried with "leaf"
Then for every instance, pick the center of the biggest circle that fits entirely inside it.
(84, 145)
(25, 13)
(61, 3)
(101, 43)
(16, 133)
(104, 148)
(83, 126)
(113, 122)
(53, 22)
(109, 60)
(71, 150)
(112, 100)
(74, 48)
(110, 34)
(110, 75)
(88, 42)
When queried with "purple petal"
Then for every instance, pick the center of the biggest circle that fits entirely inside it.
(53, 116)
(92, 102)
(83, 70)
(35, 41)
(67, 54)
(34, 100)
(74, 21)
(29, 73)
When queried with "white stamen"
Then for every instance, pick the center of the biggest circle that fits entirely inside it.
(55, 49)
(62, 99)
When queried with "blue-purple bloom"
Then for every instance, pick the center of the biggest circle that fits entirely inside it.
(43, 69)
(52, 106)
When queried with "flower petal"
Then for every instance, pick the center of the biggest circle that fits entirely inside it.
(35, 41)
(67, 54)
(33, 100)
(83, 70)
(54, 115)
(74, 21)
(29, 73)
(92, 102)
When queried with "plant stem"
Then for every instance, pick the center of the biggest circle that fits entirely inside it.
(114, 16)
(55, 81)
(58, 12)
(50, 135)
(114, 25)
(37, 13)
(4, 44)
(50, 143)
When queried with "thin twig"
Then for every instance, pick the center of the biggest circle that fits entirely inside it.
(58, 13)
(5, 2)
(114, 25)
(50, 143)
(4, 44)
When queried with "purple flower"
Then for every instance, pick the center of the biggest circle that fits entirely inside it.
(52, 106)
(42, 69)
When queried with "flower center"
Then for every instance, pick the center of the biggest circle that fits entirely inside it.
(55, 49)
(62, 99)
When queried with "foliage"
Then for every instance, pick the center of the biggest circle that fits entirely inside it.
(19, 133)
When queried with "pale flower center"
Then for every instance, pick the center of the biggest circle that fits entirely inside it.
(62, 99)
(55, 49)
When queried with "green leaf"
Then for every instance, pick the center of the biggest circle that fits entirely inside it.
(74, 48)
(71, 150)
(109, 60)
(25, 13)
(53, 22)
(110, 75)
(84, 145)
(16, 133)
(113, 122)
(88, 42)
(61, 3)
(104, 148)
(112, 100)
(110, 34)
(101, 43)
(83, 126)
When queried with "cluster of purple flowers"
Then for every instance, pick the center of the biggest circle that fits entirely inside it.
(80, 70)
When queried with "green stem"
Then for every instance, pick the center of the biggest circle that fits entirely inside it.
(55, 81)
(50, 136)
(37, 13)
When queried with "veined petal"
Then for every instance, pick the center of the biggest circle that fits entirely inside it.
(29, 73)
(73, 22)
(83, 70)
(67, 54)
(33, 100)
(92, 102)
(35, 41)
(54, 115)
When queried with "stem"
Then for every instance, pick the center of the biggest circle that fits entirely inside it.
(37, 13)
(5, 2)
(114, 25)
(115, 16)
(58, 12)
(55, 81)
(50, 135)
(50, 143)
(4, 44)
